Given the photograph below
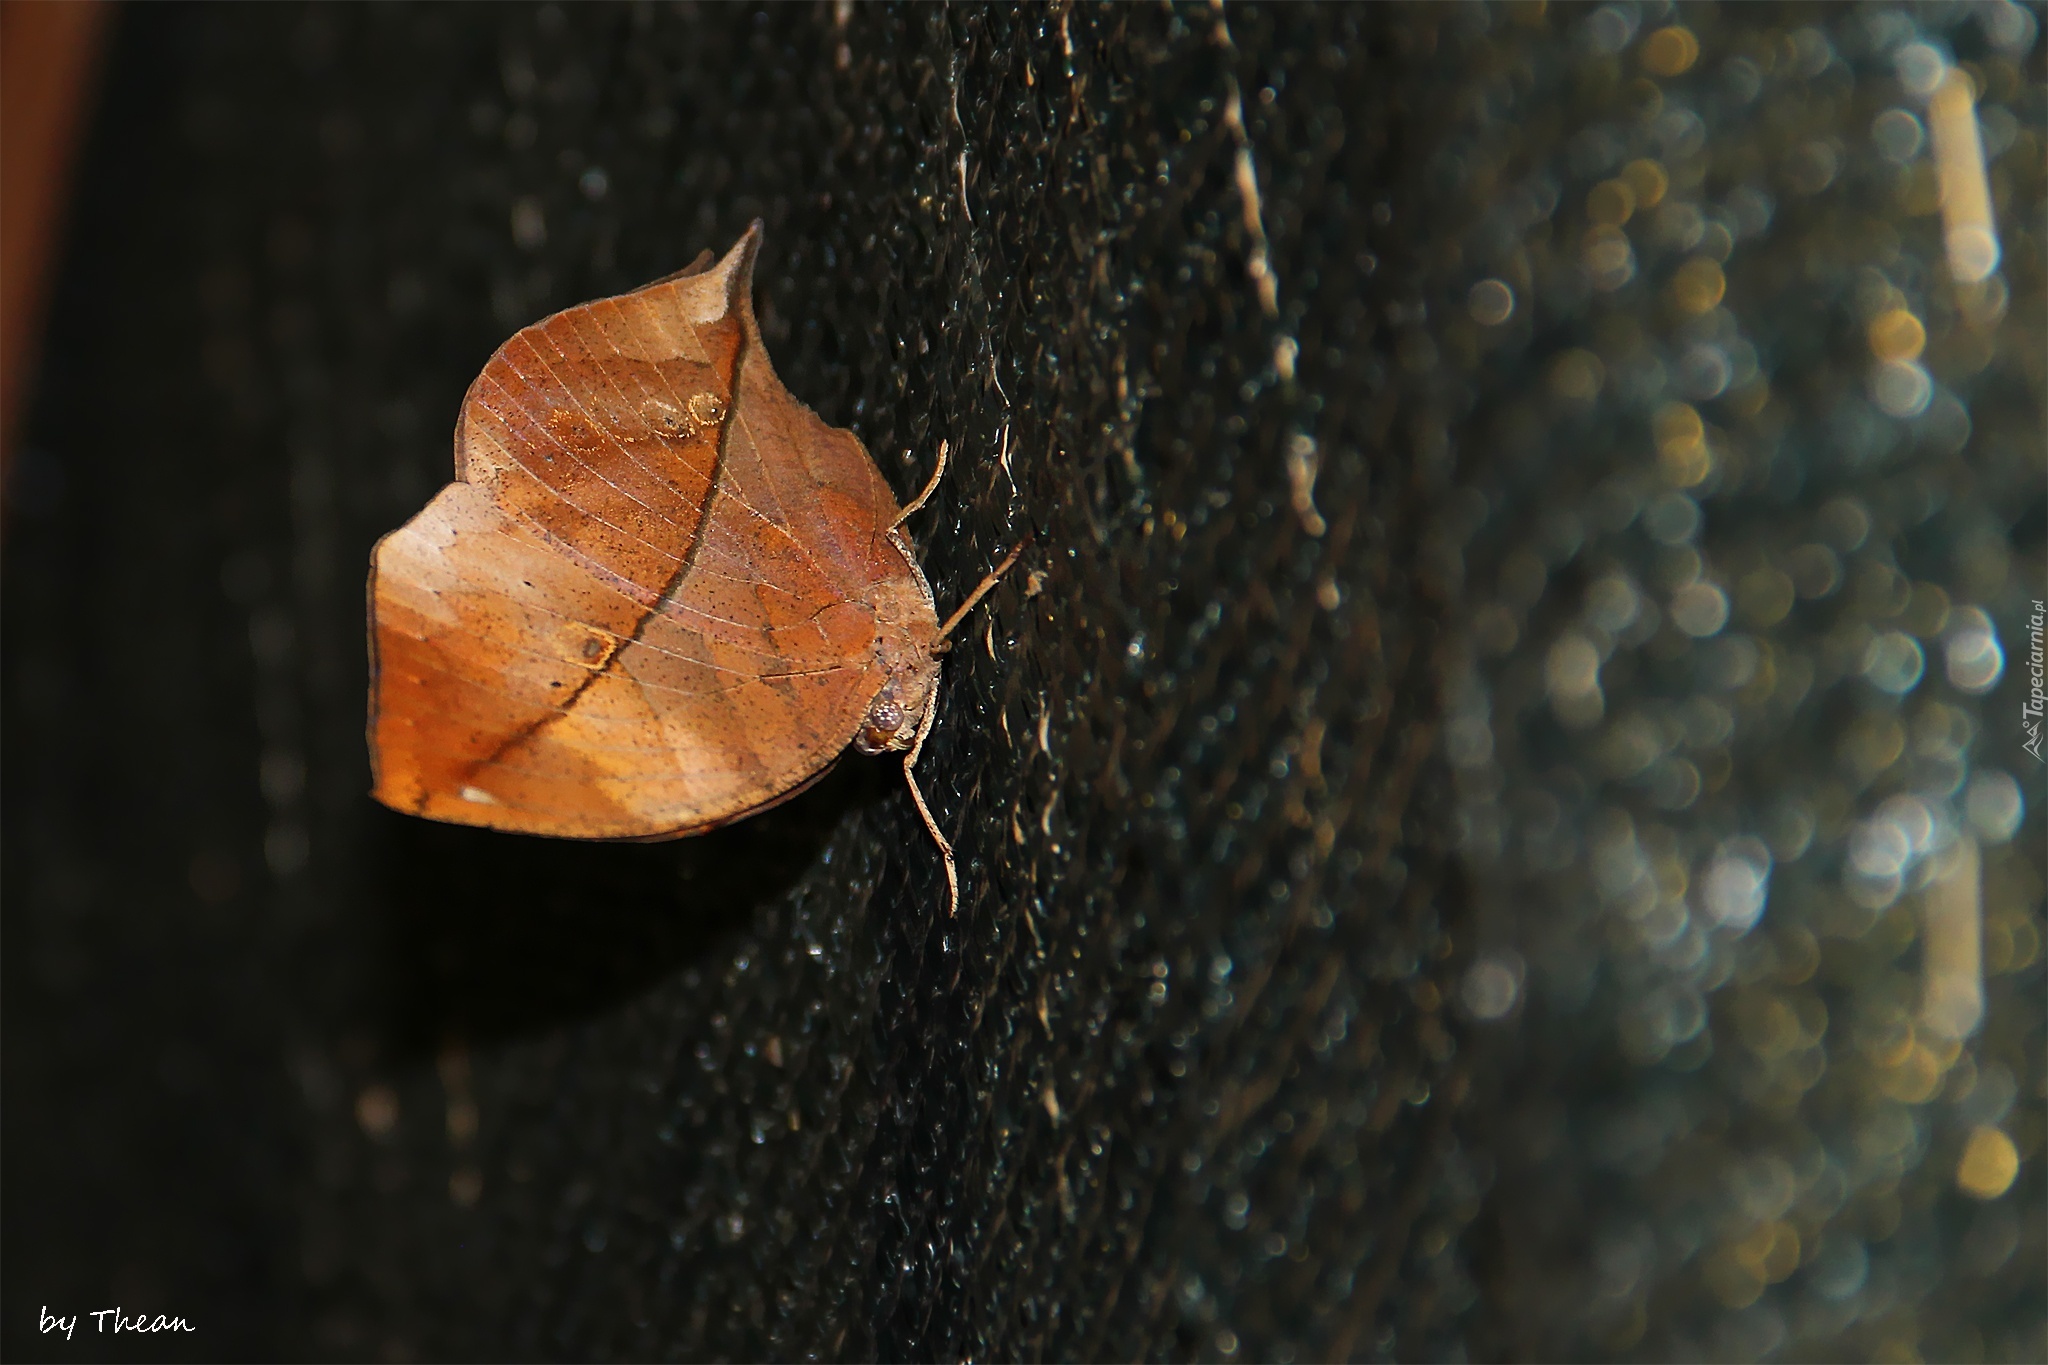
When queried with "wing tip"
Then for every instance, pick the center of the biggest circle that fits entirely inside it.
(738, 265)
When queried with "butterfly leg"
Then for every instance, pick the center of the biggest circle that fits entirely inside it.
(980, 592)
(930, 486)
(931, 712)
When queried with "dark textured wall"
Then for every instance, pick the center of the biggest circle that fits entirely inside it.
(1337, 973)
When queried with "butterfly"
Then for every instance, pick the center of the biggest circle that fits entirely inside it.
(660, 595)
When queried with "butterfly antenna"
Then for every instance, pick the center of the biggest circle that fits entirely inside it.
(982, 590)
(931, 712)
(931, 485)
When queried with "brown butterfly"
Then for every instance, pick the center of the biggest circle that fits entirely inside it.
(661, 594)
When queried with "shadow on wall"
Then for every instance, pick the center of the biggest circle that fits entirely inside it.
(494, 935)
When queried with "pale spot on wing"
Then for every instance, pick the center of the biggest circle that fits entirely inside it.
(650, 326)
(666, 331)
(479, 796)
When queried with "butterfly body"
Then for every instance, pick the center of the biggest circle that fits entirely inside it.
(906, 656)
(660, 595)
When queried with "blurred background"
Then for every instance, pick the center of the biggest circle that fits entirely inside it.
(1497, 819)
